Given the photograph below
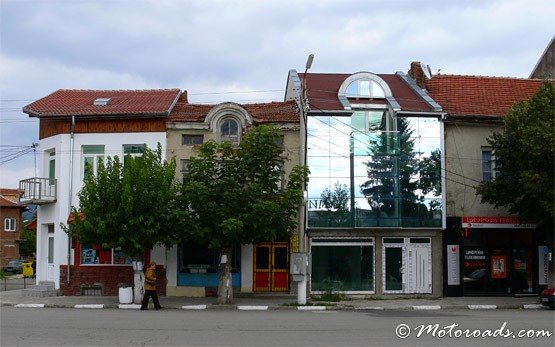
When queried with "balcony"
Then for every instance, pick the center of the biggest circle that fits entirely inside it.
(37, 191)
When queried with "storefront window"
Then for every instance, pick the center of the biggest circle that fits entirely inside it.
(95, 255)
(199, 259)
(339, 266)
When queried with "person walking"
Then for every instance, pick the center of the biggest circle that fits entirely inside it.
(150, 288)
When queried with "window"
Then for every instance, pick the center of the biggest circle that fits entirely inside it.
(93, 156)
(196, 258)
(95, 255)
(229, 131)
(9, 224)
(184, 168)
(342, 265)
(487, 164)
(365, 89)
(133, 150)
(187, 139)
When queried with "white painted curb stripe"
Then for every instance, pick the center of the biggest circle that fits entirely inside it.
(311, 308)
(130, 306)
(90, 306)
(194, 307)
(427, 307)
(482, 307)
(30, 305)
(532, 306)
(370, 308)
(252, 308)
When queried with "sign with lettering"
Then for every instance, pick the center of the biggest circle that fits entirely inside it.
(543, 265)
(453, 265)
(498, 266)
(495, 223)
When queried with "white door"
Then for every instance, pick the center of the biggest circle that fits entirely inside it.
(50, 269)
(419, 268)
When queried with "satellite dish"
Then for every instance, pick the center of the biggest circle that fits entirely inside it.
(426, 70)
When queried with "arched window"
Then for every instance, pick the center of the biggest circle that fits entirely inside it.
(364, 88)
(229, 131)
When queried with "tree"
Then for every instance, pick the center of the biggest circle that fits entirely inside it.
(524, 160)
(28, 243)
(336, 203)
(391, 171)
(131, 205)
(235, 196)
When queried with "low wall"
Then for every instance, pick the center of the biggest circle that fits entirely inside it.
(110, 277)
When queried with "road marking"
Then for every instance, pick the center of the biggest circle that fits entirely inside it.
(532, 306)
(311, 308)
(426, 307)
(90, 306)
(30, 305)
(482, 307)
(130, 306)
(252, 308)
(194, 307)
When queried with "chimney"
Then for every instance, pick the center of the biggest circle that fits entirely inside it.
(418, 74)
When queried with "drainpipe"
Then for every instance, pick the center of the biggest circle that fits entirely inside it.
(71, 145)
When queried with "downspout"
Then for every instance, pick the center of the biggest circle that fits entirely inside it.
(71, 145)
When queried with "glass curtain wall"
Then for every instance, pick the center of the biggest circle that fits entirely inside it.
(374, 170)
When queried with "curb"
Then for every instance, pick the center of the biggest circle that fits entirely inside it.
(287, 308)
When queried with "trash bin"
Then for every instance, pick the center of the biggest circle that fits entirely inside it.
(27, 269)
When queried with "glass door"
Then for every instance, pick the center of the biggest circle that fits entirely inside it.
(393, 268)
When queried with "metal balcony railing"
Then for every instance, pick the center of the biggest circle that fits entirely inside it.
(37, 190)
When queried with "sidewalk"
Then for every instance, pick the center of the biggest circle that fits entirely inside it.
(275, 302)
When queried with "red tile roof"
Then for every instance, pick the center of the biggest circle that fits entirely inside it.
(479, 95)
(272, 112)
(322, 91)
(7, 203)
(68, 102)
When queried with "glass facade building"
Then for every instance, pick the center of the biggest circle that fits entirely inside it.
(371, 169)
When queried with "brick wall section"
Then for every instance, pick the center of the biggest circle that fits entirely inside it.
(9, 240)
(109, 276)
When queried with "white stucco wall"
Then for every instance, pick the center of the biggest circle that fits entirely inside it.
(58, 212)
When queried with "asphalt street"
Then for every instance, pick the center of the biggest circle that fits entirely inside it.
(171, 327)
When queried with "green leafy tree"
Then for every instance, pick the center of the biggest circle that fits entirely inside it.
(336, 202)
(131, 205)
(524, 160)
(235, 196)
(28, 243)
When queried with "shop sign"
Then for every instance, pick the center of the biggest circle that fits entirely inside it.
(543, 265)
(495, 223)
(453, 266)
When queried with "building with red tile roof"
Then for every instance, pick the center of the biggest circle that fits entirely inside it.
(363, 131)
(498, 252)
(190, 125)
(12, 224)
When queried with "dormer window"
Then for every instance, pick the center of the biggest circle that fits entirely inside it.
(229, 131)
(102, 101)
(365, 89)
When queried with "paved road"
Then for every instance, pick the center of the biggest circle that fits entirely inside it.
(111, 327)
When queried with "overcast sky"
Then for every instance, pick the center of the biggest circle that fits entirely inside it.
(216, 49)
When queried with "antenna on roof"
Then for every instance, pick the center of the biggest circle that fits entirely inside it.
(426, 70)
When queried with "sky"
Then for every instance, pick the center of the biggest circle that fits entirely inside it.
(242, 51)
